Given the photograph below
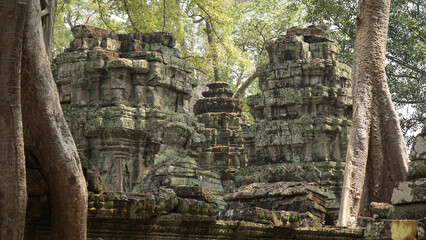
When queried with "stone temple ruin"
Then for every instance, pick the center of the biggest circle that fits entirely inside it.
(303, 116)
(127, 99)
(160, 165)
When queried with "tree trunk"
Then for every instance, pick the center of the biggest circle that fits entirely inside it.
(376, 157)
(211, 41)
(13, 190)
(47, 136)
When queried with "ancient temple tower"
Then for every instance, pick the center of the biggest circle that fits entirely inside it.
(222, 117)
(127, 100)
(302, 115)
(223, 151)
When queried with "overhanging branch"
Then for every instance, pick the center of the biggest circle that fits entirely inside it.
(407, 65)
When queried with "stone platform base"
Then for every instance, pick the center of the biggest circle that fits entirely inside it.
(179, 213)
(177, 226)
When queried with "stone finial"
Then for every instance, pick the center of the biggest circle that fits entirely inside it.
(163, 38)
(321, 30)
(218, 99)
(303, 43)
(218, 89)
(85, 31)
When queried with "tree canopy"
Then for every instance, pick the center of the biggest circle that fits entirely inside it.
(225, 40)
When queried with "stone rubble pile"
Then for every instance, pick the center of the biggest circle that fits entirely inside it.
(293, 204)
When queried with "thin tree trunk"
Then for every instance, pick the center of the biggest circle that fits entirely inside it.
(126, 6)
(376, 157)
(245, 85)
(13, 190)
(211, 41)
(47, 136)
(48, 21)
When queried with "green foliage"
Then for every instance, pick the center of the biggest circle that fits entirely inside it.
(239, 29)
(61, 36)
(263, 21)
(75, 12)
(406, 68)
(259, 22)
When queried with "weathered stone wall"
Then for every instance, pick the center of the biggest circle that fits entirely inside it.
(127, 98)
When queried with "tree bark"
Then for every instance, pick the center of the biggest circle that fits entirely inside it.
(376, 157)
(47, 136)
(13, 190)
(211, 41)
(48, 21)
